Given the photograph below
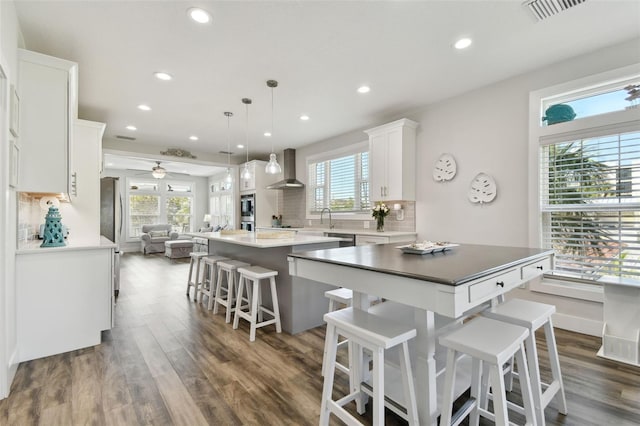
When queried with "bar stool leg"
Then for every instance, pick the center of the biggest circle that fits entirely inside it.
(231, 284)
(476, 390)
(190, 275)
(218, 290)
(534, 375)
(241, 285)
(555, 363)
(196, 282)
(497, 384)
(327, 389)
(378, 386)
(213, 290)
(449, 381)
(254, 309)
(526, 386)
(407, 384)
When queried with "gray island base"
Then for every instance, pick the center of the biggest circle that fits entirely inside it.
(302, 302)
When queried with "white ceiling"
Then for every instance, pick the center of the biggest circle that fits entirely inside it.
(319, 51)
(126, 162)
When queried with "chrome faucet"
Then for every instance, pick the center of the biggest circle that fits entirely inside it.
(322, 212)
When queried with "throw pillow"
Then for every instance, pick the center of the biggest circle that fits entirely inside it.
(155, 234)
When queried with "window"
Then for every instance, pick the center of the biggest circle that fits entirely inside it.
(221, 202)
(590, 205)
(587, 177)
(339, 181)
(152, 201)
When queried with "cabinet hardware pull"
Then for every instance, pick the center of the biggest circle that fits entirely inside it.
(539, 267)
(500, 283)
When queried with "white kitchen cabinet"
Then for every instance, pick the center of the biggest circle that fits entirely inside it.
(621, 331)
(392, 149)
(64, 299)
(48, 90)
(82, 216)
(266, 200)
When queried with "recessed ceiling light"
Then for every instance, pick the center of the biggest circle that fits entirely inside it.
(201, 16)
(239, 146)
(193, 138)
(304, 117)
(463, 43)
(144, 107)
(267, 134)
(109, 164)
(163, 76)
(132, 128)
(364, 89)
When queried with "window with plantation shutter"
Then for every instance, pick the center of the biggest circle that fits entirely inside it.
(590, 205)
(339, 181)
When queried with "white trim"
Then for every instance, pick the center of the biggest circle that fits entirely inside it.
(577, 324)
(575, 290)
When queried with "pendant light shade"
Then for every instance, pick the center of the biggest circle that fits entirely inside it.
(158, 172)
(228, 178)
(246, 173)
(272, 167)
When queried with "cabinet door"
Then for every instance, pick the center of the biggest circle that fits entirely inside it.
(44, 159)
(394, 171)
(248, 184)
(363, 240)
(378, 151)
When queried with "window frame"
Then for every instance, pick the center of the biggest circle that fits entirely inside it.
(591, 126)
(163, 193)
(353, 149)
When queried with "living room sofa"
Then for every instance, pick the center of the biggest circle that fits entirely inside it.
(153, 237)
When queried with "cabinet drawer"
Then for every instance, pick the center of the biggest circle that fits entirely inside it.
(362, 240)
(536, 268)
(494, 286)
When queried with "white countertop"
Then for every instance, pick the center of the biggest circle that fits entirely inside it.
(368, 232)
(250, 239)
(33, 247)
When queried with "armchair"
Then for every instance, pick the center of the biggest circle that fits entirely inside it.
(153, 238)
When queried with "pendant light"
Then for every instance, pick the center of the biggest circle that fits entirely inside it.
(228, 178)
(246, 173)
(272, 167)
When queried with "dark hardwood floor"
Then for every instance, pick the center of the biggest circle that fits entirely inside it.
(170, 361)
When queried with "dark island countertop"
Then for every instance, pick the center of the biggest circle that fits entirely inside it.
(453, 267)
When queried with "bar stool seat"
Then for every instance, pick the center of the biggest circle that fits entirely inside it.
(228, 269)
(254, 296)
(365, 330)
(195, 260)
(208, 287)
(534, 315)
(494, 343)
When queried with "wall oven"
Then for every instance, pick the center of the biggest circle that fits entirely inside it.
(247, 225)
(247, 207)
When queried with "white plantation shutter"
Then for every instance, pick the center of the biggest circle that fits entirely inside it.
(340, 183)
(590, 205)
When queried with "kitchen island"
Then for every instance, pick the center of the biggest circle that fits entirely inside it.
(302, 302)
(450, 283)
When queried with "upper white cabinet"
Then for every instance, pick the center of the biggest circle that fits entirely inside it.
(259, 179)
(392, 149)
(48, 89)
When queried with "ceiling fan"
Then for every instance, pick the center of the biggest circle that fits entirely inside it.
(158, 171)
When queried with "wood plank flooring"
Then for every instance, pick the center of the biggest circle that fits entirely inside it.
(169, 361)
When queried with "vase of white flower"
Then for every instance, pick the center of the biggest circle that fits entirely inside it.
(379, 212)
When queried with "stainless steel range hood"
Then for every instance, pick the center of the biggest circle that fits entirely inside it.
(289, 169)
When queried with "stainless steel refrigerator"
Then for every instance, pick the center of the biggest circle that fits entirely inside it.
(111, 221)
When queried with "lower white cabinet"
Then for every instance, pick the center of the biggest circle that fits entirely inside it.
(64, 299)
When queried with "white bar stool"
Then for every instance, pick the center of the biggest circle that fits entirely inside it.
(254, 295)
(227, 268)
(209, 282)
(533, 315)
(494, 343)
(376, 334)
(195, 261)
(337, 297)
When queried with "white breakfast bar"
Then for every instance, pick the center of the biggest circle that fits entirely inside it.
(450, 284)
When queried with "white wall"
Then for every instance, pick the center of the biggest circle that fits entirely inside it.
(200, 192)
(10, 38)
(486, 130)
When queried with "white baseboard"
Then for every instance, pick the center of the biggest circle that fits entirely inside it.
(577, 324)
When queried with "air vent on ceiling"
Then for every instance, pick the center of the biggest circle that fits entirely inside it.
(543, 9)
(127, 138)
(225, 152)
